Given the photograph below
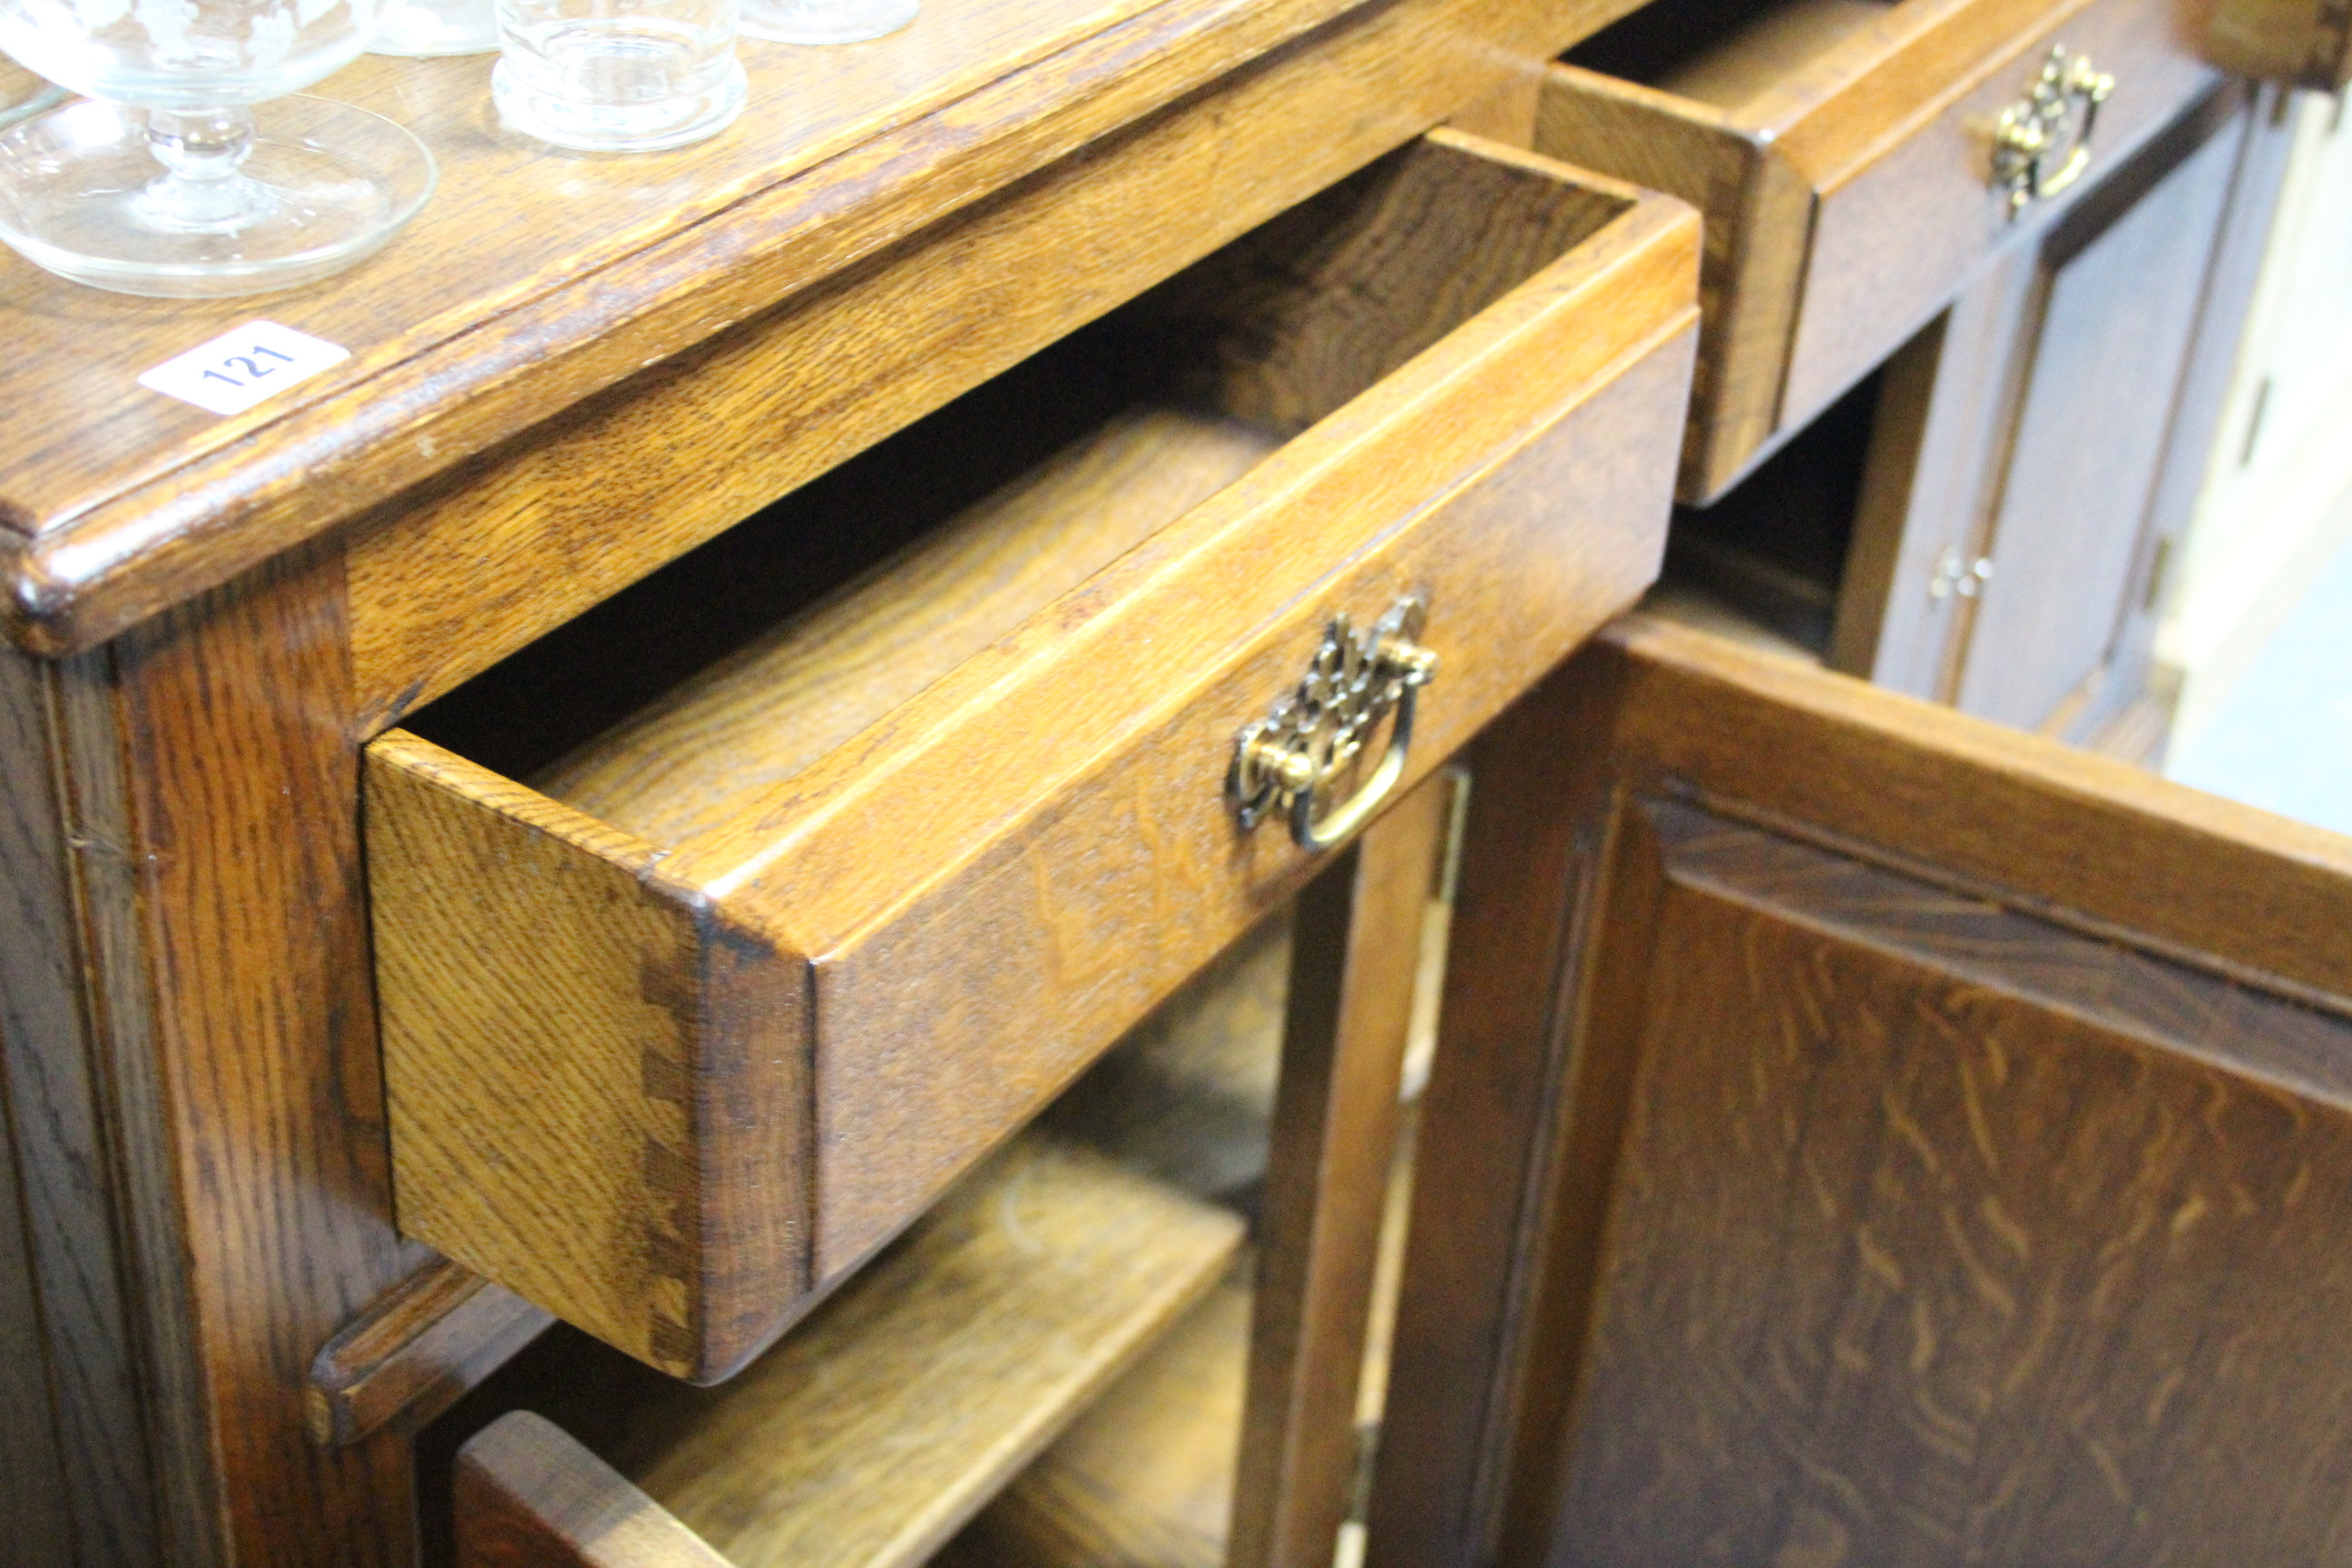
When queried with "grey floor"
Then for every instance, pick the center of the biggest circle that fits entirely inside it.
(2282, 739)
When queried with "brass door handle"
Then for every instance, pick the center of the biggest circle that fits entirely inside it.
(1288, 759)
(2043, 142)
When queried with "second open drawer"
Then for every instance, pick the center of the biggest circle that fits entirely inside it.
(679, 1028)
(1847, 155)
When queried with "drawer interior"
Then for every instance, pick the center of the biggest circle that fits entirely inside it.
(1765, 564)
(1730, 55)
(732, 670)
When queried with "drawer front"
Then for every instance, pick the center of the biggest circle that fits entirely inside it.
(669, 1091)
(1905, 214)
(1851, 192)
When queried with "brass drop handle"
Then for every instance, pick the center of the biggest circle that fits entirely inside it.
(2043, 142)
(1286, 760)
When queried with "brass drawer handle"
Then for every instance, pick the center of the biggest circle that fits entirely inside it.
(2042, 143)
(1307, 738)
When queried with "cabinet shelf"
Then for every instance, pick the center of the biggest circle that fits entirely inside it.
(866, 1437)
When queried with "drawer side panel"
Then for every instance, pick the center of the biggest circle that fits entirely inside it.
(587, 1099)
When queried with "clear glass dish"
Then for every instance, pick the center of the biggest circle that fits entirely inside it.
(330, 184)
(167, 182)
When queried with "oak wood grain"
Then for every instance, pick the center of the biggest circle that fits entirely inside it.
(473, 327)
(415, 1352)
(998, 804)
(1913, 1149)
(1941, 1236)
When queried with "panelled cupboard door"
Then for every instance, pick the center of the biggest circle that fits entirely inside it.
(1943, 1147)
(2120, 287)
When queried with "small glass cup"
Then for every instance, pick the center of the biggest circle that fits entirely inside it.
(825, 21)
(422, 29)
(618, 76)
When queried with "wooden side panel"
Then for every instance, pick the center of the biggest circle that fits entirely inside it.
(1941, 1234)
(236, 917)
(1758, 217)
(528, 1496)
(2296, 43)
(36, 985)
(1336, 1115)
(1903, 221)
(570, 1065)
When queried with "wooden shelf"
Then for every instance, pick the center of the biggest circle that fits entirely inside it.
(871, 1433)
(1146, 1476)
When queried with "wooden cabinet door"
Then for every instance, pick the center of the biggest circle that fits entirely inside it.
(1862, 1134)
(2120, 287)
(2036, 451)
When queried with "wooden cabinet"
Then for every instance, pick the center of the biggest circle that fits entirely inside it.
(1930, 1137)
(651, 770)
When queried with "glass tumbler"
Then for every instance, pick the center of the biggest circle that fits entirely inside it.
(825, 21)
(618, 76)
(189, 171)
(425, 29)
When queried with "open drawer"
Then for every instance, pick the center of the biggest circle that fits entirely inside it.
(1849, 157)
(681, 1026)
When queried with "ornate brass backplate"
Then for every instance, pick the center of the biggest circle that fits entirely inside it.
(2043, 142)
(1288, 759)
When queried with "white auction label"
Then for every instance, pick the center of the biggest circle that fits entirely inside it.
(241, 367)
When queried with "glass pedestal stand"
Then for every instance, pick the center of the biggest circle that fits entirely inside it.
(206, 204)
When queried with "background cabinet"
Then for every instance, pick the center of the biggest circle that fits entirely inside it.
(1989, 521)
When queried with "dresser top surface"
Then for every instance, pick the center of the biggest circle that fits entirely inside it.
(534, 278)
